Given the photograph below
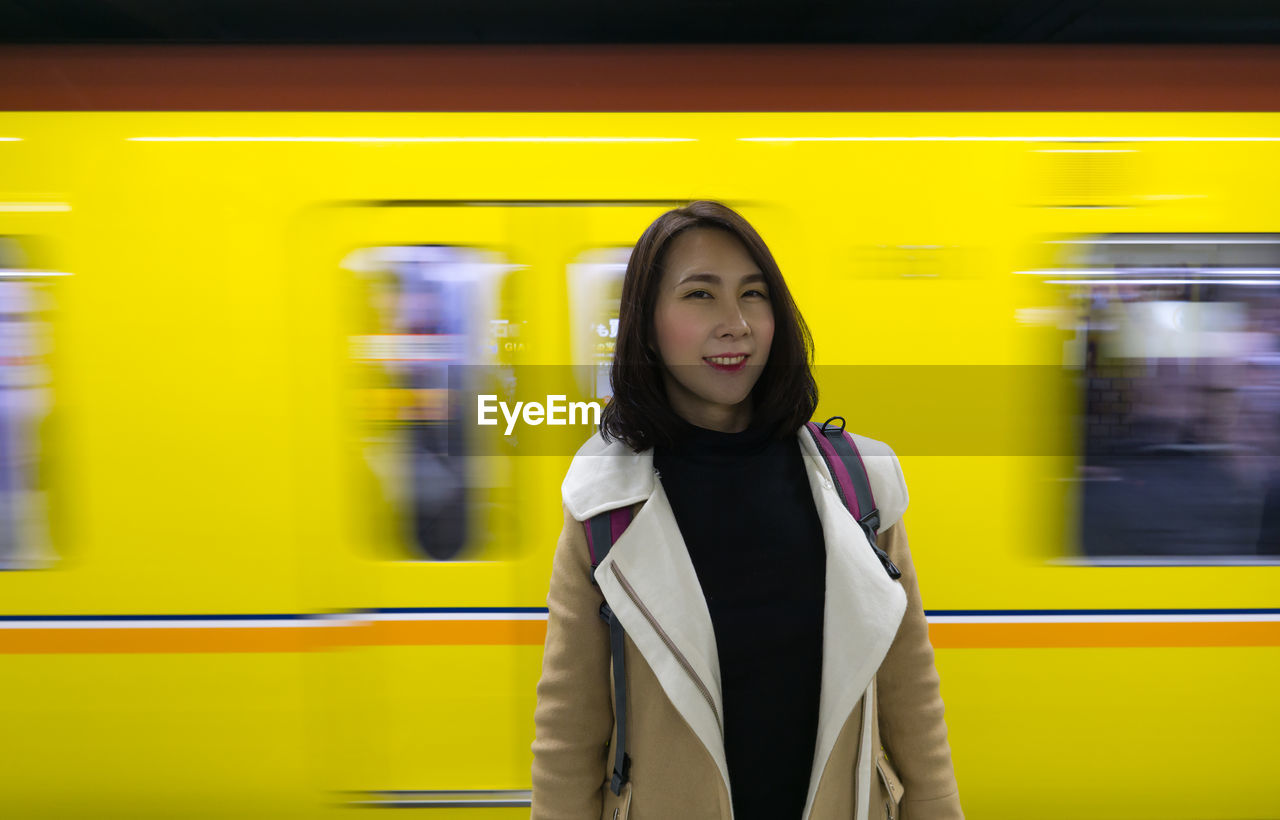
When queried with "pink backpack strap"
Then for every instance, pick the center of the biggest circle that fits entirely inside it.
(844, 462)
(603, 529)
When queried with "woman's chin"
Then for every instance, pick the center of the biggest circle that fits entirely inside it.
(726, 401)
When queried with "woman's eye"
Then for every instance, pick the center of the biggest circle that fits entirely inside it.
(759, 293)
(697, 294)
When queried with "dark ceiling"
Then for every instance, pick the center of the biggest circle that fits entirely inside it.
(652, 21)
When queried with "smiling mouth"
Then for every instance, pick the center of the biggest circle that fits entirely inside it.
(727, 364)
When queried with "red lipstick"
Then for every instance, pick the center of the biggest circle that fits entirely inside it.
(732, 366)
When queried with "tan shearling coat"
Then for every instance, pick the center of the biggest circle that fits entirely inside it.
(877, 662)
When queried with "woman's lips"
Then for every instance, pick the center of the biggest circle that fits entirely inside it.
(727, 364)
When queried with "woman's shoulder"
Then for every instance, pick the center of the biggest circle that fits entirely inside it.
(606, 475)
(884, 472)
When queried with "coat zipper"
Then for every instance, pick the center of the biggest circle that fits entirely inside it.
(679, 656)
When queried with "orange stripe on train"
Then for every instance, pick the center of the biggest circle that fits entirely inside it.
(176, 640)
(1103, 634)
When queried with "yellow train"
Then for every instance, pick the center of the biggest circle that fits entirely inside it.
(250, 572)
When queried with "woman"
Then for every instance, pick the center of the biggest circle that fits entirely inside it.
(768, 656)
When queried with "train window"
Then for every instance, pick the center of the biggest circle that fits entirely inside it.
(26, 302)
(595, 293)
(423, 311)
(1178, 346)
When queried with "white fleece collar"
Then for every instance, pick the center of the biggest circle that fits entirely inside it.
(605, 477)
(608, 476)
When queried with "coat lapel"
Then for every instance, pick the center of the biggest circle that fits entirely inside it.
(863, 609)
(651, 585)
(649, 582)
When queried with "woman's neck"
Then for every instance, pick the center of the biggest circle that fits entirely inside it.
(721, 422)
(723, 418)
(692, 441)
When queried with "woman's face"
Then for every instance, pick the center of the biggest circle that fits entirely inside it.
(713, 325)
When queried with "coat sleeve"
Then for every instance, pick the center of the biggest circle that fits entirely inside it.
(573, 720)
(912, 729)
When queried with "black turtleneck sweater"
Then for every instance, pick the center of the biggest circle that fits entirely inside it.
(743, 505)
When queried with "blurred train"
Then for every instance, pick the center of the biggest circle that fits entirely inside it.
(257, 565)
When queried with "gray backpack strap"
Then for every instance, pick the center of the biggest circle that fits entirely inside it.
(852, 484)
(603, 530)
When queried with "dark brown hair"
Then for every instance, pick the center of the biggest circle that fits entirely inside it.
(639, 413)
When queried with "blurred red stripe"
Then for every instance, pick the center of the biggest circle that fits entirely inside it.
(641, 78)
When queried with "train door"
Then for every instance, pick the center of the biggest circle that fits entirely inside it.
(27, 300)
(429, 548)
(1176, 348)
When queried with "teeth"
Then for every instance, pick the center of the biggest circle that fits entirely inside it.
(726, 359)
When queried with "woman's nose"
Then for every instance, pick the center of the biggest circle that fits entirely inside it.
(733, 323)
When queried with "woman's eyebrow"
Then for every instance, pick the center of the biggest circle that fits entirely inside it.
(715, 279)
